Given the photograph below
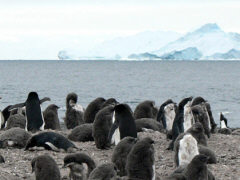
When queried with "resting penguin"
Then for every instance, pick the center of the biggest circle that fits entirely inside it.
(120, 152)
(34, 117)
(104, 172)
(82, 133)
(75, 163)
(74, 112)
(140, 161)
(92, 109)
(14, 137)
(148, 123)
(223, 126)
(50, 141)
(101, 127)
(145, 109)
(51, 117)
(123, 124)
(16, 120)
(45, 168)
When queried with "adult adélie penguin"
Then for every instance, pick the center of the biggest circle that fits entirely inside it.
(123, 124)
(34, 117)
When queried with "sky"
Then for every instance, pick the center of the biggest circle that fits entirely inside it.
(39, 29)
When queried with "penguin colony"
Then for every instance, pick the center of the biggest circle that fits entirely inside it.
(109, 123)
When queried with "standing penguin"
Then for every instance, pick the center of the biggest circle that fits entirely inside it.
(45, 168)
(197, 168)
(34, 117)
(123, 124)
(101, 127)
(92, 109)
(51, 117)
(74, 112)
(145, 109)
(140, 161)
(224, 125)
(120, 153)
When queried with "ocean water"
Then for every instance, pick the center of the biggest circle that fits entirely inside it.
(128, 82)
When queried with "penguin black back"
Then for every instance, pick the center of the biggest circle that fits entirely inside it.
(124, 120)
(33, 112)
(92, 109)
(145, 109)
(45, 168)
(140, 160)
(50, 141)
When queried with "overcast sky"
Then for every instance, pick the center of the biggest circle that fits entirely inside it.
(38, 29)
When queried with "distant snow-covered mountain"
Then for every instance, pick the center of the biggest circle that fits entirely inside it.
(232, 54)
(208, 39)
(190, 53)
(142, 42)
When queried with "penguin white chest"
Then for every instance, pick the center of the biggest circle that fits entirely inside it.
(188, 117)
(1, 119)
(169, 113)
(188, 148)
(223, 125)
(154, 172)
(116, 135)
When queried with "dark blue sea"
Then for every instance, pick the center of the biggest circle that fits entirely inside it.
(128, 81)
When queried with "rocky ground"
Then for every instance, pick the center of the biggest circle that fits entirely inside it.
(227, 148)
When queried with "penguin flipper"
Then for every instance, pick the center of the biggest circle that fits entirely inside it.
(20, 105)
(45, 99)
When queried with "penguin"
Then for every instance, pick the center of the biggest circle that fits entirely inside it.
(92, 109)
(161, 110)
(45, 168)
(51, 119)
(123, 124)
(197, 168)
(110, 101)
(140, 161)
(178, 123)
(14, 137)
(148, 123)
(34, 117)
(101, 127)
(82, 133)
(224, 125)
(16, 120)
(120, 153)
(50, 141)
(200, 114)
(145, 109)
(77, 169)
(74, 113)
(200, 100)
(188, 119)
(212, 159)
(106, 171)
(185, 150)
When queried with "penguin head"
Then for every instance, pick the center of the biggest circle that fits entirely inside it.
(110, 101)
(53, 107)
(30, 143)
(120, 108)
(198, 100)
(32, 95)
(201, 158)
(71, 98)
